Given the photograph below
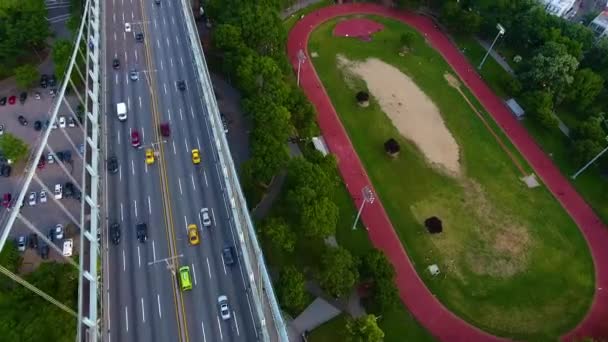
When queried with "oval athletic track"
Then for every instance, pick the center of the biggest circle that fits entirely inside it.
(419, 300)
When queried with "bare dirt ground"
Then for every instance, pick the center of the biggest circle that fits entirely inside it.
(411, 111)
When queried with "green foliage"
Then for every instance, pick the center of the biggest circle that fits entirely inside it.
(539, 105)
(276, 230)
(14, 148)
(584, 89)
(259, 75)
(302, 113)
(291, 290)
(584, 150)
(318, 177)
(268, 155)
(23, 27)
(551, 69)
(460, 20)
(375, 265)
(407, 38)
(26, 75)
(62, 52)
(227, 37)
(376, 269)
(338, 273)
(364, 329)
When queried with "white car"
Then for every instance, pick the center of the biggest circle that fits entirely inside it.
(224, 309)
(21, 243)
(127, 27)
(62, 121)
(31, 199)
(58, 191)
(58, 231)
(133, 75)
(42, 196)
(50, 159)
(71, 122)
(205, 217)
(1, 129)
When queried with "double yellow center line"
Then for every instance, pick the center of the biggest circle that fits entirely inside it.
(178, 299)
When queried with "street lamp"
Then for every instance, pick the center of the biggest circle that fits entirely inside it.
(501, 31)
(590, 162)
(301, 59)
(368, 197)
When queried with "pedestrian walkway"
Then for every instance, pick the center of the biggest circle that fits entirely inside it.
(420, 301)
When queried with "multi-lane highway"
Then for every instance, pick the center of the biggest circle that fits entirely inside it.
(144, 301)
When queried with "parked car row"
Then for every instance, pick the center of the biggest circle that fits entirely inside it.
(55, 234)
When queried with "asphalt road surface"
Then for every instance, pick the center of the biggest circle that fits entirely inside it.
(144, 300)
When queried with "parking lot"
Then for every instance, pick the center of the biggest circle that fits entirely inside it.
(46, 215)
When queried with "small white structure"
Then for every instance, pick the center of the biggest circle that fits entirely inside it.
(320, 145)
(599, 25)
(560, 8)
(68, 246)
(433, 269)
(515, 108)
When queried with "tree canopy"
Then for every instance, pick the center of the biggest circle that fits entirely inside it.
(23, 27)
(364, 329)
(291, 290)
(277, 231)
(26, 75)
(14, 148)
(338, 273)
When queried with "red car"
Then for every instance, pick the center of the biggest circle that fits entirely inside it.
(6, 200)
(135, 138)
(12, 99)
(41, 162)
(165, 130)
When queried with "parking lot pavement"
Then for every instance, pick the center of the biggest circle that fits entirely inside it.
(42, 215)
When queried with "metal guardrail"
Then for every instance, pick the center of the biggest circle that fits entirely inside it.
(261, 285)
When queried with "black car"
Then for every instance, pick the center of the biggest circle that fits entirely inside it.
(37, 125)
(33, 241)
(67, 156)
(43, 248)
(181, 85)
(116, 63)
(68, 190)
(157, 2)
(113, 164)
(5, 170)
(52, 81)
(44, 80)
(59, 155)
(228, 255)
(23, 97)
(3, 101)
(142, 232)
(115, 233)
(22, 120)
(139, 37)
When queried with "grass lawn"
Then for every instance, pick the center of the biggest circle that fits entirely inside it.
(591, 185)
(513, 263)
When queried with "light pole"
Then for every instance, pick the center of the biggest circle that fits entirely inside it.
(368, 197)
(501, 31)
(301, 59)
(590, 162)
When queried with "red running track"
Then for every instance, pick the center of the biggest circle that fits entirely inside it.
(419, 300)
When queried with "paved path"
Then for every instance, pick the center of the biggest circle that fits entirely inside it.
(419, 300)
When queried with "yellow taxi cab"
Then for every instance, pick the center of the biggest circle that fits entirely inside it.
(149, 156)
(196, 156)
(193, 235)
(184, 278)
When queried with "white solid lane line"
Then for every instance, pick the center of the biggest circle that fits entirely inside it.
(135, 206)
(186, 223)
(154, 22)
(132, 15)
(173, 143)
(212, 216)
(121, 213)
(143, 134)
(194, 274)
(123, 16)
(161, 65)
(158, 43)
(236, 322)
(160, 313)
(193, 185)
(126, 58)
(124, 36)
(120, 173)
(191, 110)
(114, 36)
(168, 44)
(173, 20)
(177, 41)
(164, 19)
(209, 268)
(132, 167)
(165, 88)
(181, 114)
(118, 137)
(179, 182)
(220, 326)
(198, 143)
(149, 206)
(127, 318)
(170, 59)
(146, 168)
(205, 174)
(135, 55)
(181, 60)
(124, 261)
(202, 325)
(169, 114)
(138, 256)
(114, 20)
(223, 263)
(143, 311)
(186, 145)
(128, 103)
(153, 251)
(116, 78)
(139, 97)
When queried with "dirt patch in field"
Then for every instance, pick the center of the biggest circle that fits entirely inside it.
(410, 109)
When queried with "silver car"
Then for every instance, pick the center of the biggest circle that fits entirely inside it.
(134, 75)
(224, 309)
(31, 199)
(205, 217)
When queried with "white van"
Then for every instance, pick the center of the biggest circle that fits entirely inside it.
(68, 246)
(121, 111)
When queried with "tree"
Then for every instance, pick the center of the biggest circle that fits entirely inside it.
(291, 290)
(268, 155)
(227, 37)
(316, 216)
(376, 269)
(303, 173)
(539, 105)
(26, 75)
(459, 20)
(551, 69)
(11, 259)
(590, 129)
(375, 265)
(262, 28)
(391, 147)
(338, 273)
(364, 329)
(585, 88)
(23, 28)
(302, 113)
(14, 148)
(277, 231)
(584, 150)
(407, 39)
(62, 52)
(258, 75)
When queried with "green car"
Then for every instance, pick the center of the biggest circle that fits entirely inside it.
(184, 278)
